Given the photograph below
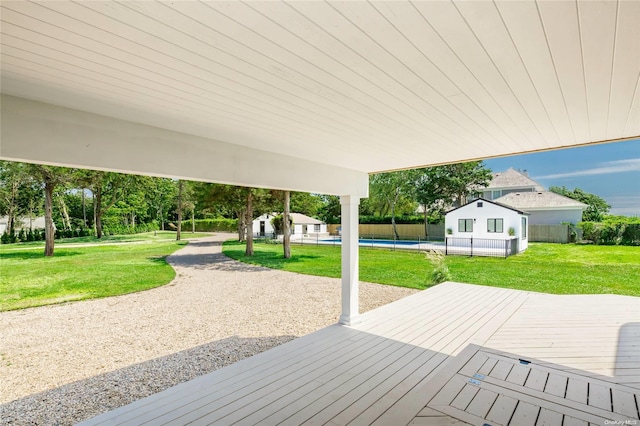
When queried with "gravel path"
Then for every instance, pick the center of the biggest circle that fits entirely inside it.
(66, 363)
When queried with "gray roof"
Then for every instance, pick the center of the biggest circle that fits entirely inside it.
(301, 219)
(539, 200)
(513, 179)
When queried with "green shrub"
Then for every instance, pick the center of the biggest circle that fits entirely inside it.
(615, 230)
(212, 225)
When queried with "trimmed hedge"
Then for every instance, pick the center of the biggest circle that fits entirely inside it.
(212, 225)
(613, 231)
(386, 220)
(128, 229)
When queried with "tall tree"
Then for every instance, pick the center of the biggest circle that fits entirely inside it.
(107, 188)
(329, 211)
(597, 207)
(180, 194)
(392, 187)
(15, 178)
(286, 222)
(50, 177)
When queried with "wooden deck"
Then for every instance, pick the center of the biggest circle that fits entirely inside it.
(381, 371)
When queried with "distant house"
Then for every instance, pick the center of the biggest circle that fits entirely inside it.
(302, 225)
(545, 208)
(512, 180)
(488, 219)
(516, 189)
(22, 223)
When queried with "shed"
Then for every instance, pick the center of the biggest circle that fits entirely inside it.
(482, 218)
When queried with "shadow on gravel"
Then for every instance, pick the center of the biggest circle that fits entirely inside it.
(87, 398)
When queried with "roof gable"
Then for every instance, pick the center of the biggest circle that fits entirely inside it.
(513, 179)
(491, 202)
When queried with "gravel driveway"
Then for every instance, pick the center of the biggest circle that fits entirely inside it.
(66, 363)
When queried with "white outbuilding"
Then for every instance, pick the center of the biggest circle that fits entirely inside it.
(302, 225)
(485, 219)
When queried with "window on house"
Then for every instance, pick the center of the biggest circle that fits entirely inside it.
(316, 228)
(495, 225)
(479, 203)
(496, 194)
(465, 225)
(524, 228)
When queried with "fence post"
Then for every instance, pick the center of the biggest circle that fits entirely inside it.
(471, 246)
(506, 249)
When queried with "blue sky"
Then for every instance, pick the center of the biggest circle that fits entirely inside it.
(610, 170)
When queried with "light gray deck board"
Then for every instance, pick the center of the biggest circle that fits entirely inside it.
(379, 371)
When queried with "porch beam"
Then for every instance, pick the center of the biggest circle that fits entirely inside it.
(44, 133)
(350, 263)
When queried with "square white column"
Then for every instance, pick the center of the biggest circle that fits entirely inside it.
(350, 276)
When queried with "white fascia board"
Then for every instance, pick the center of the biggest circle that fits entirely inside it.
(44, 133)
(553, 208)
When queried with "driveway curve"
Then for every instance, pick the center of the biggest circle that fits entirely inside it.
(64, 363)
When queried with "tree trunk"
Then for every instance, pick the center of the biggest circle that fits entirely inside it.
(393, 218)
(49, 230)
(286, 227)
(193, 220)
(84, 209)
(95, 215)
(426, 222)
(241, 228)
(179, 230)
(11, 213)
(249, 221)
(98, 212)
(161, 218)
(66, 221)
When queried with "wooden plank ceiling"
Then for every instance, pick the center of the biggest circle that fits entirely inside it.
(368, 86)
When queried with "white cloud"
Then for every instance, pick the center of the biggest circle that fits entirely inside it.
(610, 167)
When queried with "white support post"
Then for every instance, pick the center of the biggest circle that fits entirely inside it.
(349, 207)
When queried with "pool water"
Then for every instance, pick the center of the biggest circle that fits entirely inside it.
(370, 241)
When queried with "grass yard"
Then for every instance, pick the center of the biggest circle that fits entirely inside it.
(144, 236)
(29, 279)
(547, 268)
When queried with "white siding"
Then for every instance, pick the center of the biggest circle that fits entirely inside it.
(555, 217)
(268, 227)
(480, 216)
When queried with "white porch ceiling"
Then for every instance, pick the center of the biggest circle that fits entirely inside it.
(365, 86)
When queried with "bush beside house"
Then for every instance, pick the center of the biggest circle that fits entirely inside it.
(615, 230)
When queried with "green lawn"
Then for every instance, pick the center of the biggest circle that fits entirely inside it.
(145, 236)
(29, 279)
(548, 268)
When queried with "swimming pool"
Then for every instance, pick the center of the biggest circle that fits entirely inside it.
(366, 241)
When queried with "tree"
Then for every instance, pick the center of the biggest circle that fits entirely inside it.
(597, 207)
(180, 193)
(285, 220)
(107, 188)
(465, 179)
(305, 203)
(50, 177)
(436, 187)
(286, 226)
(20, 194)
(330, 210)
(392, 187)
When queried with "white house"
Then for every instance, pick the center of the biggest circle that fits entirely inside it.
(516, 189)
(545, 207)
(22, 223)
(487, 219)
(302, 225)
